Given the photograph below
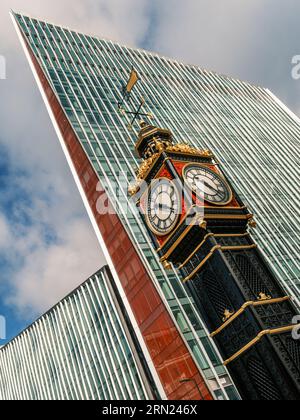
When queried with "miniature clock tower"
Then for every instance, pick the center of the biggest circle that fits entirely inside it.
(200, 226)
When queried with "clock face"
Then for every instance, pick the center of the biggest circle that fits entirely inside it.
(163, 206)
(207, 184)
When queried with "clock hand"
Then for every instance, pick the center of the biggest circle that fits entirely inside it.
(163, 207)
(209, 187)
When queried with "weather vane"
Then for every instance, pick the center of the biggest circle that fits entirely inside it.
(126, 91)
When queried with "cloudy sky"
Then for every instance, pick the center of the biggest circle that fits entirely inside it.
(47, 246)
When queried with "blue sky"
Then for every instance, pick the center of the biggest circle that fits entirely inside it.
(47, 246)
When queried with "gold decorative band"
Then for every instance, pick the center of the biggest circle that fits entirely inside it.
(196, 220)
(192, 275)
(238, 248)
(210, 235)
(229, 216)
(257, 340)
(214, 249)
(231, 235)
(179, 226)
(243, 309)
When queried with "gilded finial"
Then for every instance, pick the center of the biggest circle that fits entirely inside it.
(167, 265)
(227, 315)
(262, 297)
(253, 223)
(143, 124)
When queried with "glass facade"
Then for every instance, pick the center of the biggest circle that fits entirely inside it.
(253, 135)
(80, 350)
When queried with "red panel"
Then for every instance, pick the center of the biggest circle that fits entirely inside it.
(179, 165)
(168, 351)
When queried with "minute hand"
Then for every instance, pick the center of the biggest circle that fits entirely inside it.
(210, 187)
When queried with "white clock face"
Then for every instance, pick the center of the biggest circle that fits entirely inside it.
(207, 184)
(163, 206)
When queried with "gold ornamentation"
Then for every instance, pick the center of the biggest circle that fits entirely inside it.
(239, 248)
(214, 249)
(167, 265)
(243, 309)
(146, 165)
(227, 315)
(185, 148)
(209, 235)
(256, 340)
(228, 216)
(252, 223)
(262, 297)
(203, 224)
(134, 188)
(191, 225)
(192, 275)
(159, 145)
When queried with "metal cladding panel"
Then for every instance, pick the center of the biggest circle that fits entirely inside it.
(81, 349)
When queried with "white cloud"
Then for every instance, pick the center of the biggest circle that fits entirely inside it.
(51, 272)
(251, 40)
(40, 273)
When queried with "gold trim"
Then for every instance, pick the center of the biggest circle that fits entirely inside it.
(203, 224)
(257, 340)
(252, 223)
(229, 216)
(186, 149)
(234, 235)
(209, 235)
(149, 190)
(226, 208)
(135, 187)
(146, 166)
(263, 297)
(238, 248)
(220, 175)
(243, 309)
(214, 249)
(212, 163)
(227, 315)
(180, 224)
(231, 235)
(185, 233)
(167, 266)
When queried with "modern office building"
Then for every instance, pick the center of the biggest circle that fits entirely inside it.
(251, 132)
(82, 349)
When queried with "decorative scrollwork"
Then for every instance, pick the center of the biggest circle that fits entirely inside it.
(262, 297)
(185, 148)
(134, 188)
(227, 315)
(145, 166)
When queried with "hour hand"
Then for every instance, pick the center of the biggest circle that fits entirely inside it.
(163, 207)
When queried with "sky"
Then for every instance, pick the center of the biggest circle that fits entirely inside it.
(47, 245)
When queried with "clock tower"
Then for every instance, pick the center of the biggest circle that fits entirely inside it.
(200, 226)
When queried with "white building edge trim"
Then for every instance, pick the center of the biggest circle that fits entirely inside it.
(283, 106)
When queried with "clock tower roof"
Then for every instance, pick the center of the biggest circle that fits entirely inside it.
(151, 138)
